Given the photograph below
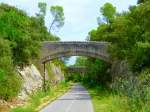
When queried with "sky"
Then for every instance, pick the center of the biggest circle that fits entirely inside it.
(80, 15)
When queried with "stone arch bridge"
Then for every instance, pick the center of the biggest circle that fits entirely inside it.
(51, 50)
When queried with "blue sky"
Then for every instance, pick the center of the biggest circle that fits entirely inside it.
(80, 15)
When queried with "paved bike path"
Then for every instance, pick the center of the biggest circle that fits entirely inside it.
(75, 100)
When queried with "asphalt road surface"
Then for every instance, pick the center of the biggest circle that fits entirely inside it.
(75, 100)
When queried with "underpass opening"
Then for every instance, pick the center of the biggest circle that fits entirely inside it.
(55, 50)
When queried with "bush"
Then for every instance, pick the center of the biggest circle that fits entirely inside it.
(20, 109)
(9, 86)
(137, 89)
(9, 82)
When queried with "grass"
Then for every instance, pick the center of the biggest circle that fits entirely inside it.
(105, 101)
(40, 99)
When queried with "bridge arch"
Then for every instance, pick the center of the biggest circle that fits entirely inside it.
(52, 50)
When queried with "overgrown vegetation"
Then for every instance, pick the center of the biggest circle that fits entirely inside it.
(136, 89)
(105, 101)
(20, 38)
(8, 88)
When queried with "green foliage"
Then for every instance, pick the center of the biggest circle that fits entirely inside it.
(125, 32)
(17, 27)
(58, 17)
(5, 56)
(97, 72)
(141, 1)
(20, 109)
(141, 57)
(20, 38)
(108, 11)
(9, 81)
(137, 89)
(42, 13)
(2, 74)
(75, 77)
(9, 86)
(81, 61)
(42, 7)
(105, 101)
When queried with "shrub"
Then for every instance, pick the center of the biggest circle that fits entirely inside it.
(9, 86)
(137, 89)
(9, 82)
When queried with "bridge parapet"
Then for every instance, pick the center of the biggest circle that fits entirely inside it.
(52, 50)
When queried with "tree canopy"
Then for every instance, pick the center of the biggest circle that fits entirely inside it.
(108, 11)
(125, 32)
(58, 17)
